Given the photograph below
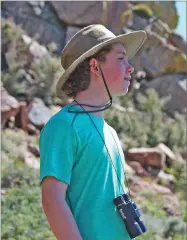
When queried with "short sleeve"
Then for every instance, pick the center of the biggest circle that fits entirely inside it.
(57, 150)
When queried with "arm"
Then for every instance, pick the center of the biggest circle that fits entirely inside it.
(57, 211)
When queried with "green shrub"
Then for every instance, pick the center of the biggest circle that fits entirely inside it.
(147, 125)
(22, 214)
(175, 227)
(13, 148)
(170, 228)
(27, 75)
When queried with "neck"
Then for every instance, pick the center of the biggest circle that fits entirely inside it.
(93, 96)
(93, 101)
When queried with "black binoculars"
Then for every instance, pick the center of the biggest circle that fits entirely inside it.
(130, 215)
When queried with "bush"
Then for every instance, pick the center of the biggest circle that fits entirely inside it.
(27, 75)
(148, 125)
(22, 214)
(13, 147)
(171, 228)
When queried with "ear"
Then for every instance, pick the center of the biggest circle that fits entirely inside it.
(94, 67)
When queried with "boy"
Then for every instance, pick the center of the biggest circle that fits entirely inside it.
(81, 169)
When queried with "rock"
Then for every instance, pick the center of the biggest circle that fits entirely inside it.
(136, 166)
(78, 13)
(165, 179)
(38, 114)
(36, 50)
(140, 75)
(167, 58)
(161, 189)
(43, 23)
(172, 86)
(129, 170)
(141, 185)
(177, 41)
(113, 15)
(7, 101)
(138, 23)
(179, 159)
(31, 161)
(153, 171)
(21, 119)
(170, 156)
(165, 10)
(146, 157)
(34, 149)
(3, 192)
(70, 32)
(9, 106)
(32, 130)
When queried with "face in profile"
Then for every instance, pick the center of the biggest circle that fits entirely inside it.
(117, 70)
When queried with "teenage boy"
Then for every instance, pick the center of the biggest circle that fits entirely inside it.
(82, 162)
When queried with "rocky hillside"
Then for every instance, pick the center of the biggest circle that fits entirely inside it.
(57, 22)
(150, 120)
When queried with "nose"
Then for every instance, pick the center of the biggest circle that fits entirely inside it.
(130, 69)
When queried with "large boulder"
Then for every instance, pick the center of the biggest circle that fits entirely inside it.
(114, 17)
(83, 13)
(37, 20)
(146, 157)
(38, 113)
(173, 87)
(165, 10)
(167, 58)
(78, 13)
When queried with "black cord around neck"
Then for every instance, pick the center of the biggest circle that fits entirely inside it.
(102, 107)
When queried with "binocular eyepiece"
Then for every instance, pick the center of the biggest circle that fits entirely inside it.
(130, 215)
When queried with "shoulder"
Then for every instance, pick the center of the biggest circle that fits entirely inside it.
(60, 120)
(58, 126)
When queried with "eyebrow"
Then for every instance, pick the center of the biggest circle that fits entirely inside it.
(124, 53)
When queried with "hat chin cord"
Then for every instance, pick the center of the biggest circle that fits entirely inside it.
(101, 108)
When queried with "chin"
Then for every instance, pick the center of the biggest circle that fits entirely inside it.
(122, 93)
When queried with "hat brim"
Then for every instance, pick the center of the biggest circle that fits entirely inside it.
(132, 42)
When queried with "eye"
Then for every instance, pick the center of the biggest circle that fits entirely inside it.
(121, 58)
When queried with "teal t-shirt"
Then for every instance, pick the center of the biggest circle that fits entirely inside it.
(72, 151)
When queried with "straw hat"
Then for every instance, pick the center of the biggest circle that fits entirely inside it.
(89, 41)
